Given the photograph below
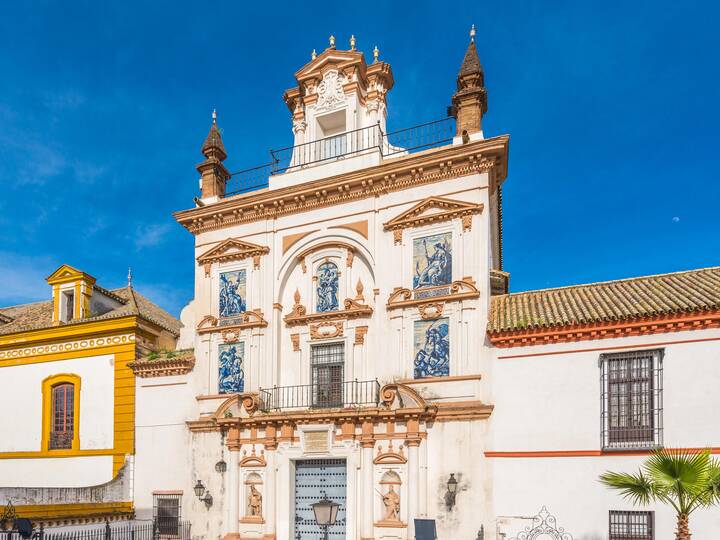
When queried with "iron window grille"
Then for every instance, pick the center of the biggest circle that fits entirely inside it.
(631, 525)
(328, 366)
(166, 513)
(631, 399)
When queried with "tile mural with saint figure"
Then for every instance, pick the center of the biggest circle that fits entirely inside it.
(231, 376)
(432, 260)
(232, 293)
(431, 342)
(327, 287)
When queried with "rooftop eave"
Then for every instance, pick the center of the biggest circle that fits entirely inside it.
(438, 164)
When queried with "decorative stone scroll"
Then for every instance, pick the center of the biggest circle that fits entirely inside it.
(232, 249)
(432, 210)
(352, 310)
(230, 327)
(433, 298)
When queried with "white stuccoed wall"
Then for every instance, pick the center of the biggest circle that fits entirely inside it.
(21, 397)
(552, 402)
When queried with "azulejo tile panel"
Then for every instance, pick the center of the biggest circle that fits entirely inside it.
(327, 287)
(232, 293)
(231, 377)
(432, 260)
(432, 348)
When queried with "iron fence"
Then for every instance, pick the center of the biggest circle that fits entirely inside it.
(342, 146)
(321, 395)
(130, 530)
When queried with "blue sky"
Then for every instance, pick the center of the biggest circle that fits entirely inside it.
(611, 107)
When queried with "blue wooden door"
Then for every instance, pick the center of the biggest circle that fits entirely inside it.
(315, 479)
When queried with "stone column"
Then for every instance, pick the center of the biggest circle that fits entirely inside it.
(413, 484)
(233, 491)
(367, 490)
(270, 492)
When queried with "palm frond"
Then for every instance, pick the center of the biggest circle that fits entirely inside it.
(637, 488)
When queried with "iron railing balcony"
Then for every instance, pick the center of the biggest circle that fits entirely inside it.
(343, 146)
(329, 395)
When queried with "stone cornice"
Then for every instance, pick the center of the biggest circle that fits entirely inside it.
(162, 367)
(463, 289)
(488, 155)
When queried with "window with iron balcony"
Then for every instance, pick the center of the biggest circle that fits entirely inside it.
(631, 400)
(631, 525)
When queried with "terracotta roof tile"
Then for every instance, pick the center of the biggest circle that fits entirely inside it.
(38, 315)
(664, 294)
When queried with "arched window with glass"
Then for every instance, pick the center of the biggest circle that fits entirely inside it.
(61, 410)
(63, 418)
(326, 287)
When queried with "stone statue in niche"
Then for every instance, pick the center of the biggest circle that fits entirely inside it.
(391, 500)
(254, 502)
(327, 287)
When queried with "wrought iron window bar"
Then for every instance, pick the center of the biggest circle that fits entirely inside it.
(631, 400)
(321, 395)
(342, 146)
(631, 525)
(61, 440)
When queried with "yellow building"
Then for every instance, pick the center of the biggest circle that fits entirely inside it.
(67, 392)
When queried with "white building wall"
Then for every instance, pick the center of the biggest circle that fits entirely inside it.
(548, 400)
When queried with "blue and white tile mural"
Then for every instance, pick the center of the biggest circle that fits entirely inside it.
(327, 287)
(231, 377)
(232, 293)
(432, 348)
(432, 260)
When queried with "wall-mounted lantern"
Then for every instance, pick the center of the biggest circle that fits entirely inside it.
(221, 466)
(203, 494)
(451, 492)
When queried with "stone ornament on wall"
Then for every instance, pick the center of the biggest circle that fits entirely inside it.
(325, 330)
(360, 332)
(230, 327)
(330, 91)
(463, 289)
(432, 210)
(232, 249)
(299, 315)
(391, 456)
(253, 459)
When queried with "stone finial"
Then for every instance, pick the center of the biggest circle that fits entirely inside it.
(129, 276)
(332, 41)
(472, 33)
(376, 54)
(214, 116)
(352, 42)
(296, 296)
(313, 54)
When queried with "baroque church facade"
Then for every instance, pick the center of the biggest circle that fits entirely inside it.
(354, 341)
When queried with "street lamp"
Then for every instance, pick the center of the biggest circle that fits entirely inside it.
(199, 489)
(451, 491)
(325, 513)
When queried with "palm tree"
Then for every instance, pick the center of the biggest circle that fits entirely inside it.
(684, 479)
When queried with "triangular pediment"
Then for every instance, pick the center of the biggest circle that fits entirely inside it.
(68, 273)
(232, 249)
(432, 209)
